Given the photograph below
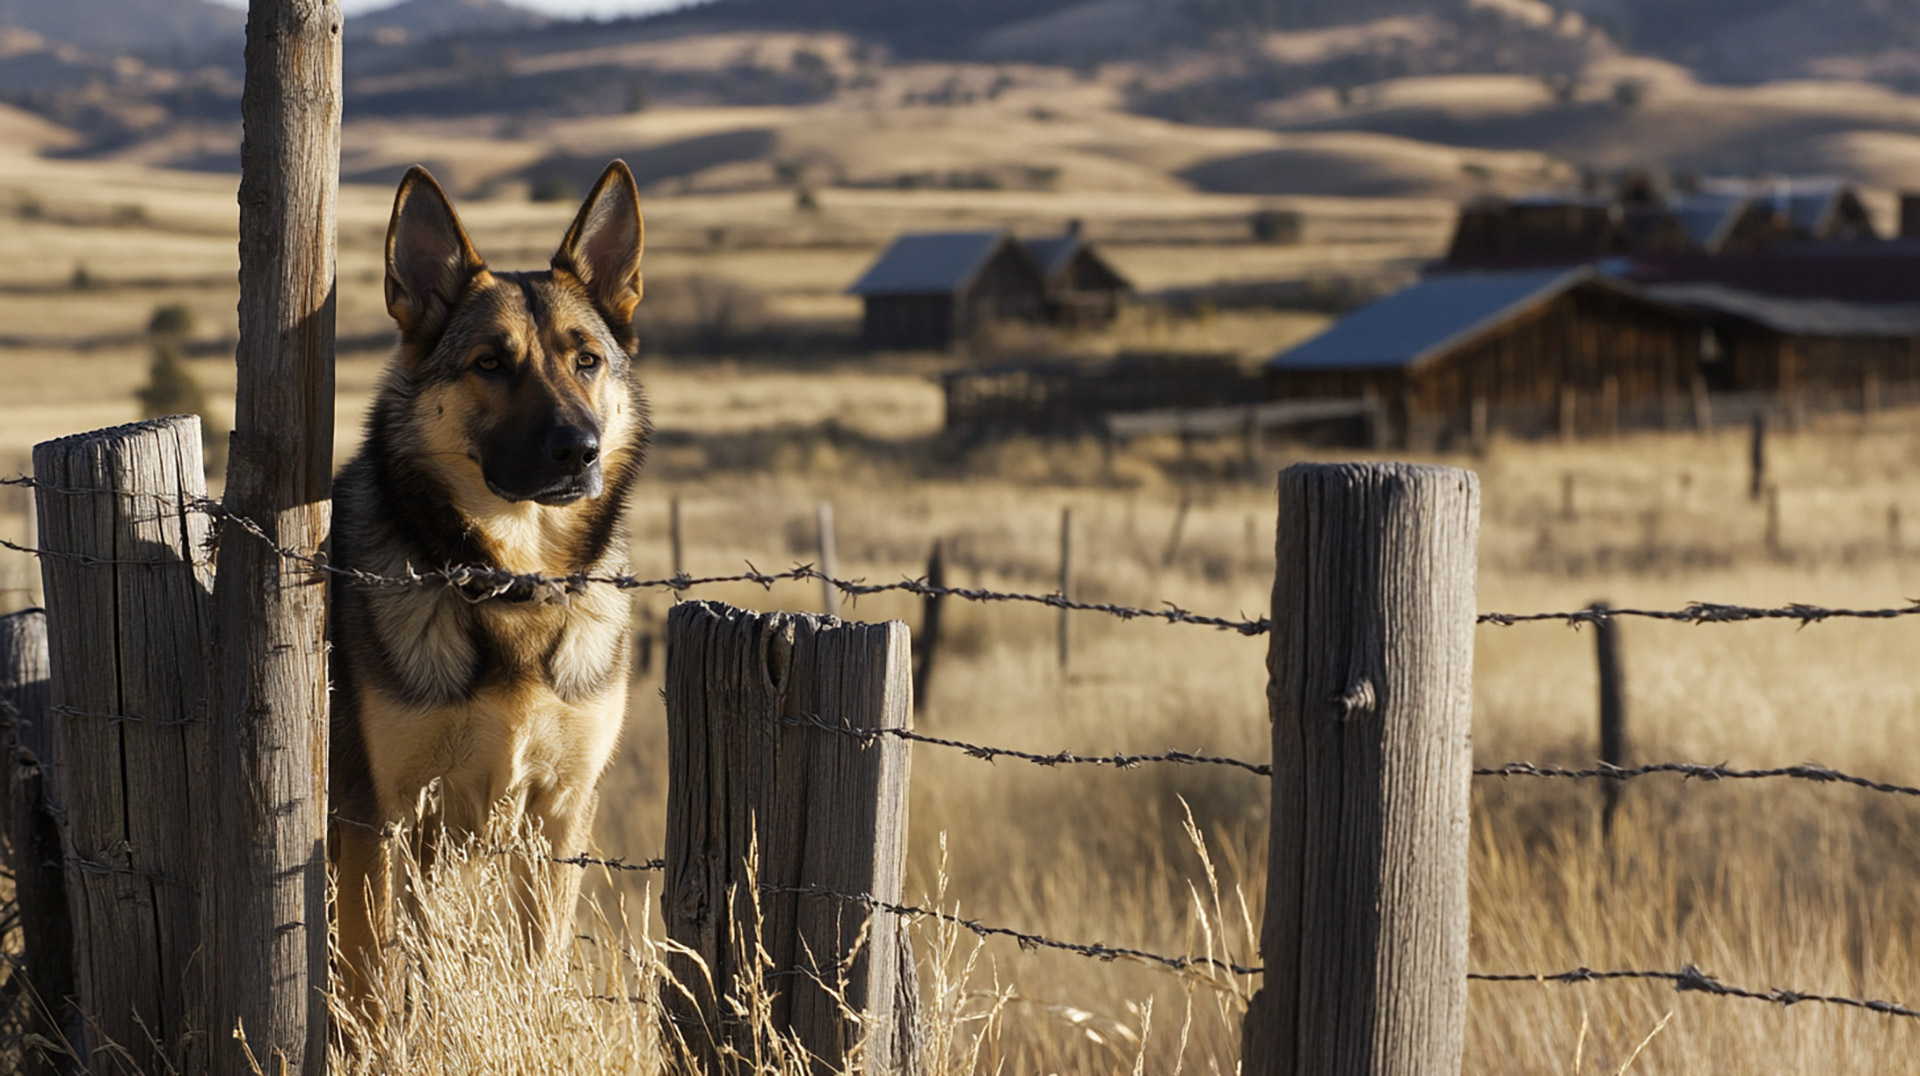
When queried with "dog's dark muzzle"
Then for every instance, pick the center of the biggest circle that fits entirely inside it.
(559, 468)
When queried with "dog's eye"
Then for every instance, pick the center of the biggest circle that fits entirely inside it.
(587, 360)
(486, 362)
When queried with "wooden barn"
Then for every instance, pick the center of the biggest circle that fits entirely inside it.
(1819, 348)
(1549, 230)
(940, 289)
(1459, 354)
(1083, 290)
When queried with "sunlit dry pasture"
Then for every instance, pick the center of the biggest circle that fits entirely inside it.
(1808, 887)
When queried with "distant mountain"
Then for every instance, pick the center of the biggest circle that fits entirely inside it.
(420, 20)
(136, 26)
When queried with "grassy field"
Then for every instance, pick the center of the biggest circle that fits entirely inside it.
(1805, 887)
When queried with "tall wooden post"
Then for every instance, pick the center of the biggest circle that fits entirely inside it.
(829, 594)
(267, 951)
(1613, 707)
(1757, 457)
(127, 642)
(1371, 666)
(817, 809)
(33, 831)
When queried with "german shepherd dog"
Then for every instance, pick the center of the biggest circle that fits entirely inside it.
(507, 434)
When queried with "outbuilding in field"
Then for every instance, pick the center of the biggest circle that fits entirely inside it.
(1083, 289)
(935, 290)
(1525, 352)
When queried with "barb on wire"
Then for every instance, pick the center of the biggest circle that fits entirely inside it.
(1027, 941)
(617, 863)
(1692, 979)
(1708, 613)
(1695, 770)
(989, 754)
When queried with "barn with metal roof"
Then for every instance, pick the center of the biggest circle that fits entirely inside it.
(938, 289)
(1526, 352)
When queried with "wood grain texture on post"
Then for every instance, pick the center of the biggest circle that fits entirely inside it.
(33, 831)
(127, 641)
(1370, 687)
(748, 791)
(267, 956)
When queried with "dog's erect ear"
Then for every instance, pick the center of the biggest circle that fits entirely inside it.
(602, 249)
(429, 258)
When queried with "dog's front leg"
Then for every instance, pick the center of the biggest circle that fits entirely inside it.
(546, 893)
(363, 903)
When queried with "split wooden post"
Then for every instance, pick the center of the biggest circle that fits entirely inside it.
(266, 957)
(1613, 707)
(33, 830)
(1066, 579)
(829, 594)
(929, 639)
(821, 814)
(1757, 457)
(1371, 665)
(128, 634)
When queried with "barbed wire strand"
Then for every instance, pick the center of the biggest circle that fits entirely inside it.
(1696, 771)
(988, 754)
(1690, 979)
(1027, 941)
(481, 582)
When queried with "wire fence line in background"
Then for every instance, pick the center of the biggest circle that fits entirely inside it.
(1697, 771)
(479, 582)
(1690, 979)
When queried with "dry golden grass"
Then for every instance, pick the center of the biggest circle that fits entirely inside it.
(1811, 888)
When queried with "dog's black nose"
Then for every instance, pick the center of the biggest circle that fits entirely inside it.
(572, 447)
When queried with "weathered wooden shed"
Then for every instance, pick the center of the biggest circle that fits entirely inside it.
(1083, 289)
(1473, 352)
(941, 289)
(1833, 349)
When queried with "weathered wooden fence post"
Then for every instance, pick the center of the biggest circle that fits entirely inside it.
(829, 593)
(33, 830)
(1371, 666)
(816, 808)
(1613, 707)
(1757, 457)
(266, 957)
(127, 585)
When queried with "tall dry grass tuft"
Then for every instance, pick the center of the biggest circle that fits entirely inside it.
(463, 994)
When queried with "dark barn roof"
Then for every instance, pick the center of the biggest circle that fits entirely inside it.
(1793, 316)
(930, 263)
(1427, 319)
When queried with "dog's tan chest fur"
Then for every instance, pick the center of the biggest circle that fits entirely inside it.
(518, 746)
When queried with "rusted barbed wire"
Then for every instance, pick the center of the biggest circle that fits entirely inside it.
(1696, 771)
(1691, 979)
(1061, 758)
(1027, 941)
(1706, 613)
